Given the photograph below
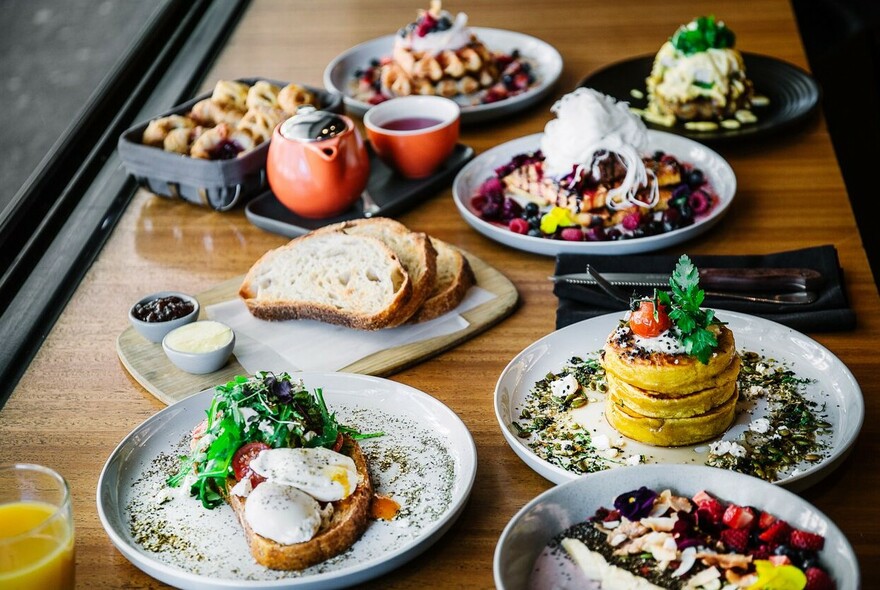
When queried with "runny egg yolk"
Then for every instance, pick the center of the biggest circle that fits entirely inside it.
(325, 475)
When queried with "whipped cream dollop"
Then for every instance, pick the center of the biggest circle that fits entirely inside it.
(588, 122)
(455, 37)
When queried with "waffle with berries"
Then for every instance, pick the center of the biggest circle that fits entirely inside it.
(437, 54)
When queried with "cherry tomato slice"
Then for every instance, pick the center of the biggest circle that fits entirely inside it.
(338, 444)
(242, 459)
(644, 324)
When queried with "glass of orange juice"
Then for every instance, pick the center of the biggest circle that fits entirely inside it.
(36, 529)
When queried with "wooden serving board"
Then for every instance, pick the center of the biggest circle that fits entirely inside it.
(150, 367)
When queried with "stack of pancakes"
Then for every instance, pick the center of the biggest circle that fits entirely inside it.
(669, 399)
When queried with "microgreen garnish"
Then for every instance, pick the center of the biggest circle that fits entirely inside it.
(268, 408)
(703, 33)
(683, 302)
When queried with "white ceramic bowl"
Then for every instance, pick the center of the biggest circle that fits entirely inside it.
(560, 507)
(191, 352)
(155, 331)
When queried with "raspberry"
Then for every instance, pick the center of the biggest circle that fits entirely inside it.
(699, 201)
(572, 234)
(736, 539)
(518, 225)
(778, 532)
(806, 541)
(632, 221)
(818, 579)
(764, 551)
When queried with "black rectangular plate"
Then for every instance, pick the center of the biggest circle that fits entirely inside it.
(391, 192)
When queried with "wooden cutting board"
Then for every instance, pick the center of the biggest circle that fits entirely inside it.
(150, 367)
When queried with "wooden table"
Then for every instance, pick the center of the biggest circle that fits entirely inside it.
(76, 402)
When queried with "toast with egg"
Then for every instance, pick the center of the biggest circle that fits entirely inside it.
(337, 533)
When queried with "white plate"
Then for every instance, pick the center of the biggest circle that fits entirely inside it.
(437, 473)
(831, 382)
(339, 72)
(717, 171)
(560, 507)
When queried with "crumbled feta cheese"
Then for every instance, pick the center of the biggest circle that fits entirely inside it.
(761, 425)
(633, 459)
(726, 447)
(564, 386)
(601, 442)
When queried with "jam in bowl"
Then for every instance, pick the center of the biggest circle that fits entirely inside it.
(157, 314)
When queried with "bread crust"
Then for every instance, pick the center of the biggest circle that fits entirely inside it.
(349, 520)
(454, 277)
(269, 308)
(414, 250)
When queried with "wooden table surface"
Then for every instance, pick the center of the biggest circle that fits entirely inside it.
(76, 402)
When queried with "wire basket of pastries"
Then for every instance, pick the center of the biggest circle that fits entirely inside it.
(211, 150)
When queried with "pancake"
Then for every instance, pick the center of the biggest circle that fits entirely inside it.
(672, 432)
(668, 373)
(658, 405)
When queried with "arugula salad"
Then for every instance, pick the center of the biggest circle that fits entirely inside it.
(247, 415)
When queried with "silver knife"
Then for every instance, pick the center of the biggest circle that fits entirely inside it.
(727, 279)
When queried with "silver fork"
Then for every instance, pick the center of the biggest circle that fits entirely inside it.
(796, 298)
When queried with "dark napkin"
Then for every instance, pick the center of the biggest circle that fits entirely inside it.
(830, 312)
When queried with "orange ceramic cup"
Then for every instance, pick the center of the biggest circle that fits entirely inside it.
(414, 135)
(317, 165)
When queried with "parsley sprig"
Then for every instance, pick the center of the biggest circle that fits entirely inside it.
(273, 409)
(683, 302)
(703, 33)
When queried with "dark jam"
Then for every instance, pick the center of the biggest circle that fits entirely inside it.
(163, 309)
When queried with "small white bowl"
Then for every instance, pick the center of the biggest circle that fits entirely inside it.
(155, 331)
(200, 347)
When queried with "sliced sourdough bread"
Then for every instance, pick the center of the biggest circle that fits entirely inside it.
(413, 249)
(350, 517)
(331, 276)
(454, 277)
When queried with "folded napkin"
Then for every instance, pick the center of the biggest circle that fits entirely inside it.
(830, 312)
(308, 345)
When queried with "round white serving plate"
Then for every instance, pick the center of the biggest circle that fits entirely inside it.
(832, 384)
(548, 67)
(529, 531)
(411, 413)
(717, 170)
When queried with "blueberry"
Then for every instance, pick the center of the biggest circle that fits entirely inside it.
(695, 178)
(515, 54)
(374, 62)
(658, 155)
(534, 221)
(531, 209)
(535, 232)
(444, 24)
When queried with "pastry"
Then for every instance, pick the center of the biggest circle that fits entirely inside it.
(221, 142)
(698, 75)
(293, 96)
(260, 121)
(230, 93)
(263, 94)
(157, 129)
(208, 113)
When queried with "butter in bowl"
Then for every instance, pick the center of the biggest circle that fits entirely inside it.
(199, 347)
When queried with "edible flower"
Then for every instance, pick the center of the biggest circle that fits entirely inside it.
(778, 577)
(636, 504)
(555, 218)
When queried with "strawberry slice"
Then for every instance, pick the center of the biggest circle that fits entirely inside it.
(738, 517)
(806, 541)
(765, 520)
(778, 532)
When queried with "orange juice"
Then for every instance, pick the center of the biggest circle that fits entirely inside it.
(36, 547)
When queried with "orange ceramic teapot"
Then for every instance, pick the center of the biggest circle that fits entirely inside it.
(317, 164)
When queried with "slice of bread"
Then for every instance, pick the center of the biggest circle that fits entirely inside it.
(454, 277)
(349, 520)
(413, 249)
(353, 280)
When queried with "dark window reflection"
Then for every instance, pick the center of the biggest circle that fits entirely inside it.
(53, 54)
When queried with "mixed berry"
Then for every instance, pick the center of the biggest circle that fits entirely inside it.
(681, 202)
(702, 542)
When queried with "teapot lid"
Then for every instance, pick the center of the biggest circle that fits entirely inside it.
(312, 125)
